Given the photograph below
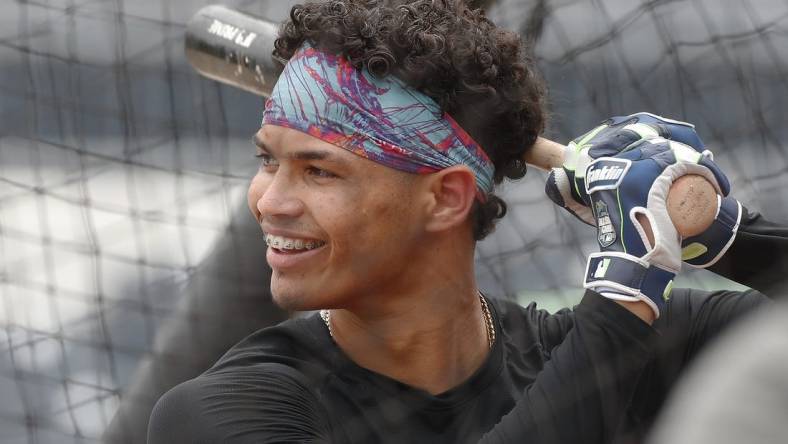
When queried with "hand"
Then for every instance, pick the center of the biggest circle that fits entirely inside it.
(705, 249)
(618, 134)
(613, 136)
(624, 191)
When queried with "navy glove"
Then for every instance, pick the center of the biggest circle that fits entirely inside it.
(565, 186)
(705, 249)
(629, 266)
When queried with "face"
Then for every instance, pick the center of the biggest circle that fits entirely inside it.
(338, 227)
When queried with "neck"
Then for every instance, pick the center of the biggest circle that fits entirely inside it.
(432, 337)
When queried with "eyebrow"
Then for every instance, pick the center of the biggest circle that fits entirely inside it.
(306, 154)
(313, 155)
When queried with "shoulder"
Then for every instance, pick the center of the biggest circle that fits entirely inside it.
(299, 347)
(509, 311)
(529, 327)
(249, 405)
(262, 389)
(515, 317)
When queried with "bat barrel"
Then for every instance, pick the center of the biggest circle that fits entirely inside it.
(233, 48)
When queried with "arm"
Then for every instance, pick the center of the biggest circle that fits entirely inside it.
(691, 319)
(758, 256)
(257, 406)
(585, 388)
(749, 365)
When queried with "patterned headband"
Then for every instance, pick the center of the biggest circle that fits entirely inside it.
(383, 120)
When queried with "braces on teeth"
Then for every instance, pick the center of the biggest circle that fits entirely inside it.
(281, 243)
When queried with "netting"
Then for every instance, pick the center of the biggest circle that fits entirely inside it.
(127, 259)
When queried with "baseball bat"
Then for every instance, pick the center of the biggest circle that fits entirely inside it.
(235, 48)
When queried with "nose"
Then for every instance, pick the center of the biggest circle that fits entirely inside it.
(275, 197)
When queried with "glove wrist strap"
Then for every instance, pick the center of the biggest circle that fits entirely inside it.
(622, 276)
(705, 249)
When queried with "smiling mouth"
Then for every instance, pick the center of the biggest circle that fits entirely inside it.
(291, 245)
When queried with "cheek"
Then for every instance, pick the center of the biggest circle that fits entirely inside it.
(377, 225)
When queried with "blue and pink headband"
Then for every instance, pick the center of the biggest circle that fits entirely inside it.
(381, 119)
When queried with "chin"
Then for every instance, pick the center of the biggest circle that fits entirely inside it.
(287, 301)
(294, 298)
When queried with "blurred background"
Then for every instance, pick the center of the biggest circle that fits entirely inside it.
(128, 261)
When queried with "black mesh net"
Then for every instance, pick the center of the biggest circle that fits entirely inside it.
(128, 261)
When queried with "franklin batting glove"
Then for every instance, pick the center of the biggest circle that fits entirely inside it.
(613, 136)
(618, 134)
(636, 182)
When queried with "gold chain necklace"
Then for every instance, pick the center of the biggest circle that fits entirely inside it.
(488, 322)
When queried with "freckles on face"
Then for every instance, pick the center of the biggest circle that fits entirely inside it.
(374, 239)
(368, 222)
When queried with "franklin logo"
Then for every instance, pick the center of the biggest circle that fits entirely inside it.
(605, 174)
(606, 234)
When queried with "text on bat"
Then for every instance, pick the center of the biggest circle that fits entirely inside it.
(232, 33)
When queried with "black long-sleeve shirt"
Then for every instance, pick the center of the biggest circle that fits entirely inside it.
(589, 375)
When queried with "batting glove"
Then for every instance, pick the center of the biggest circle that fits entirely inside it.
(565, 186)
(705, 249)
(636, 182)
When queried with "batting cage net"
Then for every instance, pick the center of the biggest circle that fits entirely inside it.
(129, 263)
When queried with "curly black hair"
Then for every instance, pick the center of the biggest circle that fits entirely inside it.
(478, 73)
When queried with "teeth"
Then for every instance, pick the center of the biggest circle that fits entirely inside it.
(286, 243)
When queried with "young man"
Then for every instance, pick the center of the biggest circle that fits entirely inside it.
(380, 147)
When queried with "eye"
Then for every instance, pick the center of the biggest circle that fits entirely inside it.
(267, 160)
(320, 173)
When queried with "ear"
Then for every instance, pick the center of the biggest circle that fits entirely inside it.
(453, 191)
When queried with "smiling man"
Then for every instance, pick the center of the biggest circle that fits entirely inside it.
(352, 225)
(335, 221)
(379, 150)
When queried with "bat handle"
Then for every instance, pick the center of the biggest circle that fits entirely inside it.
(692, 200)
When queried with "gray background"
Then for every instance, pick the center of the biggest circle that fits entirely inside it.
(127, 259)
